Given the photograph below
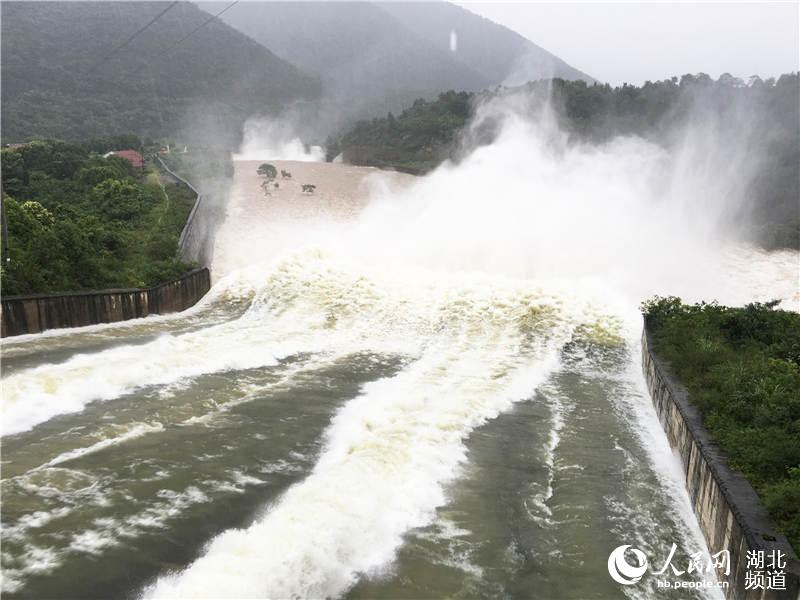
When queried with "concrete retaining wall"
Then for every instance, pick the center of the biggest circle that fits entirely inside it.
(193, 241)
(39, 312)
(727, 508)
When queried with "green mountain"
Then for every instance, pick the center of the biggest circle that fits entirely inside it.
(377, 57)
(363, 55)
(77, 70)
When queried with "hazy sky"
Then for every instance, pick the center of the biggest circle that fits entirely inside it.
(635, 41)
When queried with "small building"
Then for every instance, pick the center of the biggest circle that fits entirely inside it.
(132, 156)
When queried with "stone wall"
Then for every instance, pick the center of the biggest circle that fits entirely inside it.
(39, 312)
(728, 510)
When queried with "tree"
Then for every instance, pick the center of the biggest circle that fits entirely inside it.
(91, 176)
(13, 171)
(80, 221)
(730, 80)
(267, 170)
(308, 188)
(117, 200)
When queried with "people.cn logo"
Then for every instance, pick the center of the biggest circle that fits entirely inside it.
(621, 570)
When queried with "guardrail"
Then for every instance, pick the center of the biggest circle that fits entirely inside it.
(183, 241)
(39, 312)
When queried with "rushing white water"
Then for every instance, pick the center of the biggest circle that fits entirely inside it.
(620, 220)
(478, 275)
(627, 216)
(480, 343)
(480, 348)
(274, 139)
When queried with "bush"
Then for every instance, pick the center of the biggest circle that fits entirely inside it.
(78, 221)
(742, 369)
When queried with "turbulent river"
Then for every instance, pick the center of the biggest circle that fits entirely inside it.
(331, 424)
(312, 431)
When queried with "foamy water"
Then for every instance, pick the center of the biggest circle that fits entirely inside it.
(405, 433)
(436, 394)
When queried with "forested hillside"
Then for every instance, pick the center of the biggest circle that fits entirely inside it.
(69, 73)
(364, 56)
(742, 369)
(428, 132)
(415, 141)
(78, 221)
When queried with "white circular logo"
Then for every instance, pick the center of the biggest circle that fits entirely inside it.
(623, 572)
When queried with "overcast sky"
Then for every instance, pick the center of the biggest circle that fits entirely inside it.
(636, 41)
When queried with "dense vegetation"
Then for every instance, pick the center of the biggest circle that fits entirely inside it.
(761, 115)
(67, 75)
(416, 141)
(79, 221)
(742, 369)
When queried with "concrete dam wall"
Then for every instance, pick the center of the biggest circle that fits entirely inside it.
(39, 312)
(728, 510)
(193, 245)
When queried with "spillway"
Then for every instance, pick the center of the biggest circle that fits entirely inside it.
(334, 420)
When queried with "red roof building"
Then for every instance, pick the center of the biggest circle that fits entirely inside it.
(133, 156)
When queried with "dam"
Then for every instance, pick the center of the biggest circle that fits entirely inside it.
(376, 399)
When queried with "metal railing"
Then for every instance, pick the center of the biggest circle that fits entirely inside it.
(182, 241)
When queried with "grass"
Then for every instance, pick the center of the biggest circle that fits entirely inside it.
(741, 367)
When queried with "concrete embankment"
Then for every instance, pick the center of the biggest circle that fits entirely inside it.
(39, 312)
(193, 243)
(728, 510)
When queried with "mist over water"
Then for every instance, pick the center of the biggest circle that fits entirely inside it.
(588, 230)
(628, 215)
(275, 139)
(395, 352)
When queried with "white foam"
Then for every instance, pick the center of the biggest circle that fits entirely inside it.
(33, 520)
(388, 453)
(92, 541)
(273, 139)
(478, 273)
(35, 561)
(35, 395)
(133, 431)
